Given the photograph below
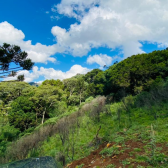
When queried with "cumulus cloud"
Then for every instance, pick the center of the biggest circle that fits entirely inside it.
(116, 23)
(101, 60)
(50, 73)
(9, 33)
(74, 8)
(38, 53)
(112, 24)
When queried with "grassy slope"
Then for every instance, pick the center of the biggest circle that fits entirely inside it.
(111, 132)
(137, 128)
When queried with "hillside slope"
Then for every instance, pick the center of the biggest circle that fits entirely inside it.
(68, 121)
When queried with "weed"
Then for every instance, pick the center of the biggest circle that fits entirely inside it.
(159, 148)
(140, 166)
(130, 166)
(137, 149)
(110, 151)
(34, 153)
(80, 166)
(119, 139)
(111, 166)
(126, 162)
(157, 159)
(131, 153)
(141, 158)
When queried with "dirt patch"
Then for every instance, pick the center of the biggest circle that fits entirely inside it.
(126, 156)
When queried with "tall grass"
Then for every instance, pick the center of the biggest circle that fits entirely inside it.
(20, 149)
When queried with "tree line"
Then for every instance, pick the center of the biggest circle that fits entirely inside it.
(27, 106)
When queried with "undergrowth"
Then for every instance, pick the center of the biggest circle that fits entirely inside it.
(115, 125)
(112, 131)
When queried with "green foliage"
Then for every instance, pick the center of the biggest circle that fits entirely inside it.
(125, 162)
(9, 91)
(46, 97)
(22, 115)
(70, 85)
(111, 166)
(69, 107)
(7, 134)
(157, 159)
(53, 82)
(73, 100)
(119, 139)
(90, 76)
(110, 151)
(80, 166)
(89, 99)
(81, 87)
(59, 108)
(136, 73)
(20, 78)
(96, 82)
(137, 149)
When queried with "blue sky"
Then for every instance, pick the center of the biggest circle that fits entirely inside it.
(66, 37)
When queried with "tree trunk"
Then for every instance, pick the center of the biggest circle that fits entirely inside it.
(43, 116)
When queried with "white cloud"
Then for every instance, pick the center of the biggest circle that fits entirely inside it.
(54, 17)
(10, 34)
(112, 24)
(74, 8)
(50, 73)
(38, 53)
(101, 60)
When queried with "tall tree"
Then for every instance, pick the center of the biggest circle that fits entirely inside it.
(9, 91)
(13, 54)
(22, 114)
(45, 98)
(21, 78)
(90, 76)
(53, 82)
(81, 87)
(70, 85)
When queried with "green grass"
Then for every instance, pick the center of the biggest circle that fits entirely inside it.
(137, 149)
(80, 166)
(110, 151)
(126, 162)
(111, 166)
(141, 121)
(111, 131)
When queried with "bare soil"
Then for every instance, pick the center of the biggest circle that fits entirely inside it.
(128, 152)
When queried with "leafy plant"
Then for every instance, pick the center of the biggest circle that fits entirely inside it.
(110, 151)
(119, 139)
(126, 162)
(80, 166)
(137, 149)
(111, 166)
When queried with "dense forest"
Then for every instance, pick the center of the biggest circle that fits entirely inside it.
(70, 118)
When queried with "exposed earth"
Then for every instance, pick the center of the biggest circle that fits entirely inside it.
(131, 154)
